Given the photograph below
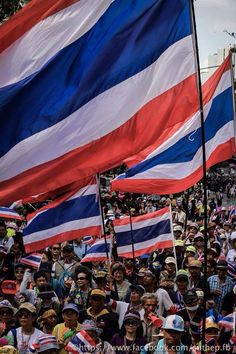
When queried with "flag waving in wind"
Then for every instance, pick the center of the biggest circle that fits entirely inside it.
(74, 217)
(150, 232)
(98, 251)
(81, 90)
(176, 164)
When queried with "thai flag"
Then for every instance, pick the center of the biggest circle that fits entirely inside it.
(81, 343)
(33, 260)
(78, 82)
(228, 322)
(98, 251)
(8, 213)
(175, 164)
(72, 216)
(150, 232)
(88, 240)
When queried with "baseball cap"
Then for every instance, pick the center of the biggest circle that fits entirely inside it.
(191, 249)
(222, 265)
(178, 228)
(70, 306)
(98, 292)
(189, 296)
(5, 304)
(182, 274)
(132, 315)
(170, 260)
(195, 263)
(179, 243)
(47, 342)
(174, 322)
(195, 225)
(138, 288)
(27, 306)
(8, 287)
(199, 235)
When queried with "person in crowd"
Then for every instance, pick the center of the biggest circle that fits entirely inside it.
(64, 331)
(68, 263)
(47, 344)
(27, 334)
(130, 335)
(182, 284)
(19, 275)
(47, 321)
(167, 276)
(47, 300)
(46, 267)
(7, 316)
(101, 314)
(151, 322)
(56, 252)
(121, 285)
(196, 279)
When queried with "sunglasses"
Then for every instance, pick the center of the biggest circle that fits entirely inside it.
(131, 323)
(56, 248)
(5, 312)
(26, 315)
(82, 278)
(19, 271)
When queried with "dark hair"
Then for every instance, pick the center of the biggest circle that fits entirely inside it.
(120, 267)
(39, 274)
(49, 255)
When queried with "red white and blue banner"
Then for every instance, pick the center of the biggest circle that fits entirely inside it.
(150, 232)
(74, 217)
(81, 343)
(78, 82)
(32, 260)
(176, 163)
(98, 251)
(8, 213)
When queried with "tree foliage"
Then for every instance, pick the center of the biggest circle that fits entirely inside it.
(9, 7)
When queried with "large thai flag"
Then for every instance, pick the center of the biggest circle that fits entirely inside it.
(8, 213)
(175, 164)
(98, 251)
(85, 84)
(75, 216)
(150, 232)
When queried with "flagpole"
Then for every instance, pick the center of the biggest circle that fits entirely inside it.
(204, 171)
(132, 236)
(101, 211)
(172, 233)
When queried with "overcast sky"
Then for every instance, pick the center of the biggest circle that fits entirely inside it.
(213, 17)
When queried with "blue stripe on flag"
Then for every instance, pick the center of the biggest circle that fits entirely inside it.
(121, 44)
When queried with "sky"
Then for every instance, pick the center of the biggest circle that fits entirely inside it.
(212, 18)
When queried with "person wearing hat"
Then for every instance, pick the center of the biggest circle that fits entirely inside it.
(25, 335)
(47, 344)
(178, 230)
(148, 280)
(93, 343)
(121, 307)
(7, 312)
(130, 337)
(192, 315)
(99, 312)
(196, 279)
(199, 244)
(227, 226)
(68, 263)
(212, 332)
(220, 284)
(47, 300)
(48, 321)
(167, 276)
(64, 331)
(190, 254)
(182, 283)
(179, 249)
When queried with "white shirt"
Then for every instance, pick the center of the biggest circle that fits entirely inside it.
(25, 341)
(164, 301)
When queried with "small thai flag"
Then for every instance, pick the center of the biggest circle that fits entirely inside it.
(228, 322)
(81, 343)
(97, 251)
(33, 260)
(7, 213)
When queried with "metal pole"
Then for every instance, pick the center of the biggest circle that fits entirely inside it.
(204, 173)
(132, 236)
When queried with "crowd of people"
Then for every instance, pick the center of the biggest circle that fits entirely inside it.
(153, 304)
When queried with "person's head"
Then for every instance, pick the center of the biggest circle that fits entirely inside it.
(40, 278)
(227, 226)
(137, 292)
(211, 230)
(19, 272)
(179, 247)
(148, 278)
(211, 264)
(46, 293)
(190, 251)
(49, 319)
(68, 253)
(46, 267)
(132, 324)
(170, 265)
(70, 314)
(56, 250)
(212, 331)
(47, 344)
(7, 312)
(82, 280)
(199, 240)
(150, 303)
(182, 280)
(193, 227)
(47, 256)
(100, 278)
(26, 315)
(97, 299)
(3, 229)
(190, 299)
(222, 268)
(118, 272)
(177, 231)
(173, 328)
(194, 268)
(91, 328)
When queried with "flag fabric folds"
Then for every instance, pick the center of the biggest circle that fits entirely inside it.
(150, 232)
(74, 217)
(8, 213)
(227, 322)
(32, 260)
(98, 251)
(81, 343)
(176, 164)
(81, 91)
